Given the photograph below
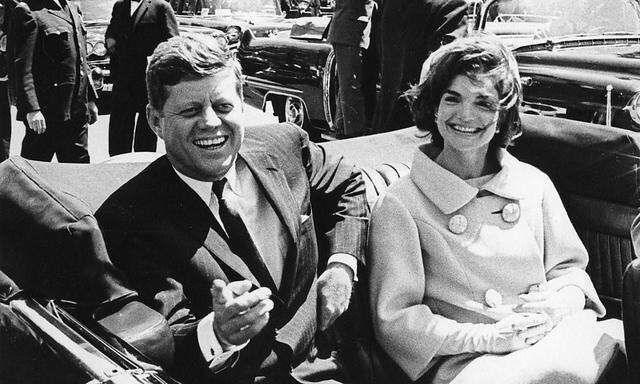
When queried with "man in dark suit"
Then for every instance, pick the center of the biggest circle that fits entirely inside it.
(135, 30)
(349, 36)
(6, 9)
(409, 32)
(54, 94)
(222, 235)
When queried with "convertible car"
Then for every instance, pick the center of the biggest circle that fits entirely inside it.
(84, 325)
(228, 18)
(578, 60)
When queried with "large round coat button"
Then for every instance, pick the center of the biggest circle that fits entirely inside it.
(458, 224)
(511, 213)
(493, 298)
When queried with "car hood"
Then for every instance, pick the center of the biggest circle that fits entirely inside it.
(96, 29)
(617, 55)
(597, 44)
(277, 22)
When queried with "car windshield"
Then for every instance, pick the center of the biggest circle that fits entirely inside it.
(95, 9)
(548, 19)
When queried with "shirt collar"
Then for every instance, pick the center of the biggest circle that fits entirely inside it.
(450, 193)
(203, 188)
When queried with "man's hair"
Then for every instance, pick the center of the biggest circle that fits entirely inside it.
(479, 56)
(184, 58)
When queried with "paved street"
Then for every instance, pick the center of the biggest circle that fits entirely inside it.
(98, 133)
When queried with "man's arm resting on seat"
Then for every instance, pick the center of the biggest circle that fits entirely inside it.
(334, 288)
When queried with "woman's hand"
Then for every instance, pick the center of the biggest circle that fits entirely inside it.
(517, 331)
(556, 304)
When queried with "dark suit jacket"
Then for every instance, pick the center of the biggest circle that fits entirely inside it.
(409, 31)
(345, 27)
(51, 71)
(164, 238)
(136, 37)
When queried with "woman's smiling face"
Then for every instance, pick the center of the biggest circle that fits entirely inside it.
(467, 114)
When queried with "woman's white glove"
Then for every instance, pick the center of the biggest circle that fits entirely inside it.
(515, 332)
(556, 304)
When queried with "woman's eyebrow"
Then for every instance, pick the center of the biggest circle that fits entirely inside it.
(451, 92)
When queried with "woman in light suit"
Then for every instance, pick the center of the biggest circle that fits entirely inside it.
(477, 274)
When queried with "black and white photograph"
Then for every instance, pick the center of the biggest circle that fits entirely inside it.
(319, 191)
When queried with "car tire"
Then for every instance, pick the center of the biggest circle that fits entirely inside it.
(291, 109)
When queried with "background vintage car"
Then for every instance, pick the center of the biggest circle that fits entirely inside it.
(294, 74)
(264, 17)
(578, 60)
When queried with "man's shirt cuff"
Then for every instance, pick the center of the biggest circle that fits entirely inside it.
(347, 260)
(211, 348)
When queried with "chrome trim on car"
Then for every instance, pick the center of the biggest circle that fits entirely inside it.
(326, 86)
(266, 84)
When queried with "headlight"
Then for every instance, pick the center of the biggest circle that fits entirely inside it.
(89, 49)
(303, 5)
(99, 49)
(634, 108)
(233, 34)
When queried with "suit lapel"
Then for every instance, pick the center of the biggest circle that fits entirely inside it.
(142, 8)
(272, 179)
(55, 9)
(188, 211)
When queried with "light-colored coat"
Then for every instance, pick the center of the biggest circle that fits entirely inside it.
(428, 284)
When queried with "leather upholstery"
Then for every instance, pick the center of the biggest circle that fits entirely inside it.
(631, 311)
(51, 247)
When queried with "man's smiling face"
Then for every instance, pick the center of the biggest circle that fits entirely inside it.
(202, 125)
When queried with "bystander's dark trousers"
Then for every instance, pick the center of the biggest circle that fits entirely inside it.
(127, 135)
(350, 113)
(66, 139)
(5, 121)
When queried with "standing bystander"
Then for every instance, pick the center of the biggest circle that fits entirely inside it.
(349, 36)
(135, 30)
(54, 94)
(409, 32)
(6, 6)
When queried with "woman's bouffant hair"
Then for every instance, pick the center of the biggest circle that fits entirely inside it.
(188, 57)
(477, 56)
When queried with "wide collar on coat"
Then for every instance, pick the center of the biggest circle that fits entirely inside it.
(54, 8)
(142, 8)
(450, 193)
(188, 209)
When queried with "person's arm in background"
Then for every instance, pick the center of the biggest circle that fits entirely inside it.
(24, 35)
(92, 94)
(168, 23)
(110, 36)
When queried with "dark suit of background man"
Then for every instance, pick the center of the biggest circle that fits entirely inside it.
(6, 9)
(135, 30)
(54, 94)
(169, 231)
(349, 36)
(409, 31)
